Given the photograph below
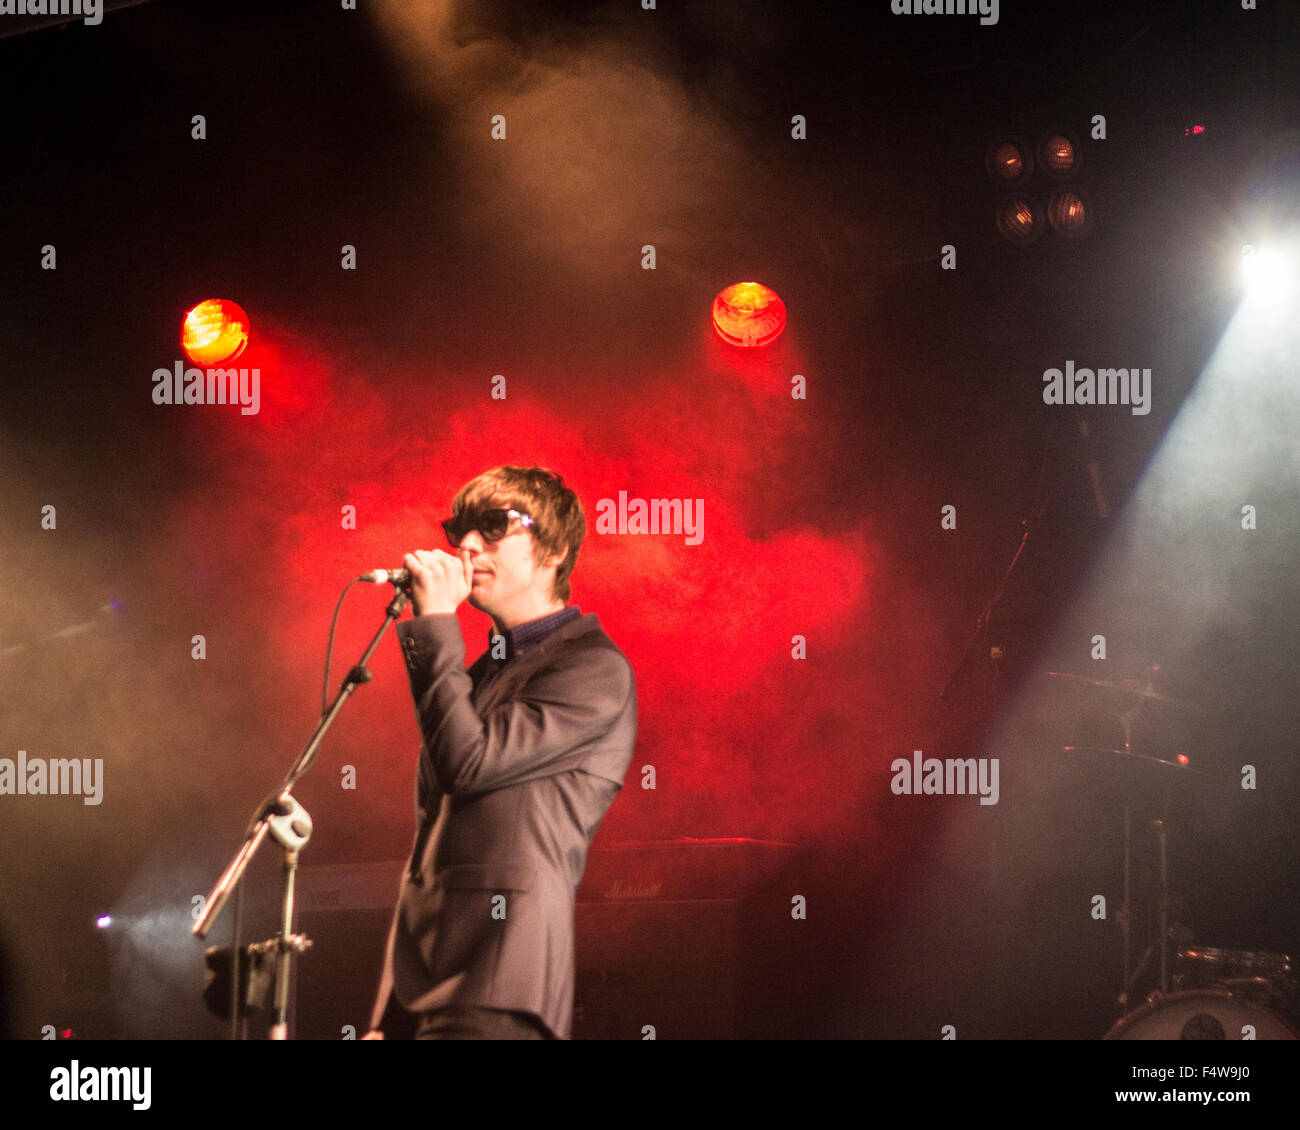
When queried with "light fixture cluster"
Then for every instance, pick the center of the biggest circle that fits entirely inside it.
(1020, 215)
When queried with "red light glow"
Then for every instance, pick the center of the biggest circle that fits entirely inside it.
(214, 331)
(749, 314)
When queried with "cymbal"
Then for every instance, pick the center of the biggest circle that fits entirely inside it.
(1133, 687)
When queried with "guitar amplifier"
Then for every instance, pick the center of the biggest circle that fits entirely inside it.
(674, 936)
(345, 909)
(671, 938)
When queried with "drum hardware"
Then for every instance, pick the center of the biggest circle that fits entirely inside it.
(1203, 1014)
(1139, 688)
(1129, 699)
(1266, 978)
(1202, 993)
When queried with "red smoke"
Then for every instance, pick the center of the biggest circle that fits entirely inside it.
(745, 738)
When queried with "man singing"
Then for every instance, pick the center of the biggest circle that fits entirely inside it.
(521, 756)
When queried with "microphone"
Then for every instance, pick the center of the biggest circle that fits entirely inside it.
(399, 577)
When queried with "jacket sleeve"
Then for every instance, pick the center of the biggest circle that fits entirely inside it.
(547, 728)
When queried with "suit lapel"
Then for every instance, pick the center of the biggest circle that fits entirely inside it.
(518, 670)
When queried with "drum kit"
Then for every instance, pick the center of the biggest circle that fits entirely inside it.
(1200, 992)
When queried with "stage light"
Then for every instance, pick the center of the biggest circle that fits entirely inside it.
(748, 314)
(1267, 272)
(1058, 156)
(1020, 219)
(1068, 213)
(104, 921)
(1008, 162)
(214, 331)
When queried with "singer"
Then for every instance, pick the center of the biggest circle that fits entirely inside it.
(522, 755)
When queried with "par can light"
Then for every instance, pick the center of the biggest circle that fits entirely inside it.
(748, 314)
(1020, 219)
(1008, 162)
(1068, 213)
(214, 331)
(1058, 156)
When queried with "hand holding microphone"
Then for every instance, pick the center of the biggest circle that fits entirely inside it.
(438, 582)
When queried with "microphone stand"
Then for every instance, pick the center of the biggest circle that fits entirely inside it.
(1030, 526)
(288, 823)
(981, 625)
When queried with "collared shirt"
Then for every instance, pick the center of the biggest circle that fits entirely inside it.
(520, 639)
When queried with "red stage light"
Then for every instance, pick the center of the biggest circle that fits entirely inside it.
(748, 314)
(214, 331)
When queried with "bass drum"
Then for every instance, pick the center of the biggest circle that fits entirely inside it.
(1202, 1015)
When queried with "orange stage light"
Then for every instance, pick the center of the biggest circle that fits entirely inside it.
(1020, 219)
(214, 331)
(1058, 156)
(748, 314)
(1068, 213)
(1008, 162)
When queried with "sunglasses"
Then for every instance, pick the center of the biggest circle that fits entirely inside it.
(493, 525)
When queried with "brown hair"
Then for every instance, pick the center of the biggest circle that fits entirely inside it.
(558, 519)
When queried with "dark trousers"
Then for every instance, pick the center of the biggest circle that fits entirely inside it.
(472, 1022)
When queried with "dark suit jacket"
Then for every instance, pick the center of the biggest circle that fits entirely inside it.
(509, 795)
